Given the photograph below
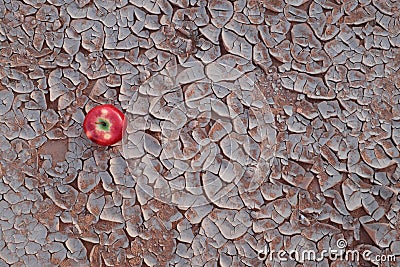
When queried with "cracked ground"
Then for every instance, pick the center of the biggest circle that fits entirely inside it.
(252, 124)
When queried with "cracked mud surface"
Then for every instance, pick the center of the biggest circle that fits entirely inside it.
(251, 123)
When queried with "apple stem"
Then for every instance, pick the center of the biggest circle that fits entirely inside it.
(103, 123)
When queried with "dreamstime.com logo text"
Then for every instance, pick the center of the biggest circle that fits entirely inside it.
(341, 253)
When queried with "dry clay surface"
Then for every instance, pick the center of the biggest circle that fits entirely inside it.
(253, 124)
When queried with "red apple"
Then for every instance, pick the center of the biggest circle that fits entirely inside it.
(104, 125)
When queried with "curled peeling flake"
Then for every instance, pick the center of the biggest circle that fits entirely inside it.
(228, 68)
(6, 101)
(47, 13)
(237, 45)
(221, 11)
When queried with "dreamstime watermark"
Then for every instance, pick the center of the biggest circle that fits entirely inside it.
(341, 253)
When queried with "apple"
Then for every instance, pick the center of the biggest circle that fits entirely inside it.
(104, 125)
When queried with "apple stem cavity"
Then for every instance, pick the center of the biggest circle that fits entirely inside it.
(104, 125)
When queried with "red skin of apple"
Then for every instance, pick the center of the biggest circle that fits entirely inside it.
(104, 125)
